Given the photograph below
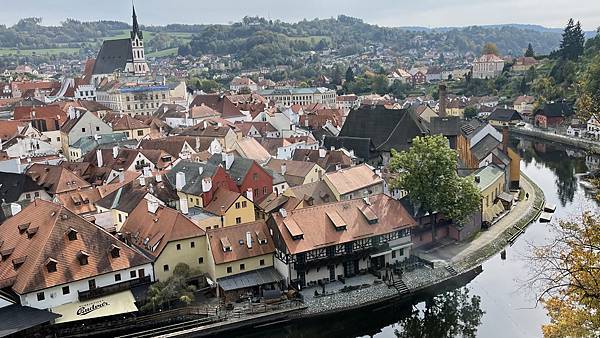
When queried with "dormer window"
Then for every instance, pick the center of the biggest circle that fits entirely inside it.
(5, 253)
(31, 232)
(115, 251)
(51, 264)
(82, 256)
(17, 262)
(225, 244)
(23, 227)
(72, 234)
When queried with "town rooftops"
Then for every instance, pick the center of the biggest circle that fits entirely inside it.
(194, 173)
(12, 186)
(353, 178)
(221, 201)
(555, 109)
(293, 91)
(229, 244)
(46, 245)
(124, 122)
(152, 227)
(113, 56)
(335, 223)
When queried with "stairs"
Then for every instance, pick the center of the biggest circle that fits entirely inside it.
(400, 287)
(451, 269)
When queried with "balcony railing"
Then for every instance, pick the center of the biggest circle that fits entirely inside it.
(112, 289)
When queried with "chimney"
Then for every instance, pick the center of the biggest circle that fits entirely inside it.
(115, 151)
(322, 153)
(142, 181)
(197, 143)
(283, 212)
(121, 177)
(183, 206)
(338, 166)
(505, 138)
(477, 179)
(200, 170)
(179, 181)
(283, 168)
(206, 184)
(152, 206)
(228, 159)
(158, 178)
(250, 194)
(99, 158)
(249, 239)
(147, 172)
(443, 93)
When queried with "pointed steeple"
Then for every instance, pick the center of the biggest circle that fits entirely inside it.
(136, 28)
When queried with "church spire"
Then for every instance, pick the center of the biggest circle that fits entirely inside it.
(136, 28)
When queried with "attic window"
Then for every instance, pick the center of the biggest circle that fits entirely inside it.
(72, 234)
(51, 264)
(337, 220)
(115, 251)
(226, 244)
(369, 215)
(23, 227)
(17, 262)
(6, 252)
(262, 239)
(31, 232)
(82, 256)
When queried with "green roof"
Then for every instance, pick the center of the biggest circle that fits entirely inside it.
(487, 176)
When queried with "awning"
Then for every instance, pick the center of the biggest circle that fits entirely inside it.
(506, 197)
(250, 279)
(381, 253)
(389, 251)
(16, 318)
(122, 302)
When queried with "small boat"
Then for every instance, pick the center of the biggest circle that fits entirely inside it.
(551, 208)
(545, 217)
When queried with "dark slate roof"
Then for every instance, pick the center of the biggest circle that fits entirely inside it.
(113, 55)
(16, 318)
(556, 109)
(13, 185)
(239, 168)
(484, 147)
(447, 126)
(505, 115)
(193, 178)
(362, 147)
(387, 128)
(123, 199)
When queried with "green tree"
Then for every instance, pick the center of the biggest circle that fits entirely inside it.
(175, 288)
(530, 52)
(470, 112)
(336, 75)
(379, 84)
(573, 40)
(349, 74)
(490, 48)
(428, 172)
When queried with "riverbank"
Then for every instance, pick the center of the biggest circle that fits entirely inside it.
(589, 145)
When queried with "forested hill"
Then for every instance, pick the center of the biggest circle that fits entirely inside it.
(258, 37)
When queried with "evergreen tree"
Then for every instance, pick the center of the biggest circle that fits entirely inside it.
(573, 39)
(349, 75)
(530, 52)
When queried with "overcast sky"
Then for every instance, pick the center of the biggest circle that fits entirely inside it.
(430, 13)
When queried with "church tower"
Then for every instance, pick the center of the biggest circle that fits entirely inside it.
(140, 67)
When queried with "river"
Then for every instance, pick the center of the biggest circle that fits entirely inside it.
(509, 308)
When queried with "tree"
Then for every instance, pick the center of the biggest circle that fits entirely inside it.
(349, 74)
(379, 84)
(448, 315)
(336, 75)
(566, 275)
(470, 112)
(490, 48)
(175, 288)
(573, 40)
(428, 172)
(529, 52)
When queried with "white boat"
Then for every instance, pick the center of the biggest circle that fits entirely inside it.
(545, 217)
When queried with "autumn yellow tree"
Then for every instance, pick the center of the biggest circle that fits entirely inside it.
(490, 48)
(567, 273)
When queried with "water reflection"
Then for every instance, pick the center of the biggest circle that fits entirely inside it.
(451, 314)
(563, 161)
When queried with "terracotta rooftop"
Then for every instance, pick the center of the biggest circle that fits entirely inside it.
(55, 179)
(38, 237)
(151, 231)
(222, 201)
(352, 179)
(335, 223)
(234, 237)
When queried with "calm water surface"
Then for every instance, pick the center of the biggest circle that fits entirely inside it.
(509, 307)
